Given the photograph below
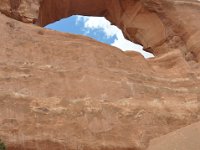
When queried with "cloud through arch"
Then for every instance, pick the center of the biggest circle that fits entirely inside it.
(100, 23)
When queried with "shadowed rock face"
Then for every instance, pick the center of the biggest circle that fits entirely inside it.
(63, 91)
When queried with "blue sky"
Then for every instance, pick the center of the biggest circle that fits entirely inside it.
(98, 28)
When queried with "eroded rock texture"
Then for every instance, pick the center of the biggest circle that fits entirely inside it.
(68, 92)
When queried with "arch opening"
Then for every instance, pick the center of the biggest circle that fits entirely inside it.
(98, 28)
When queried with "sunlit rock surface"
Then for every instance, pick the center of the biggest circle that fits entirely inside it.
(68, 92)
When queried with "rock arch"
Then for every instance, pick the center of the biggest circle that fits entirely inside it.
(160, 26)
(137, 23)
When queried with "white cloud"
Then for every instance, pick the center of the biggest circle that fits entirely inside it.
(92, 23)
(81, 18)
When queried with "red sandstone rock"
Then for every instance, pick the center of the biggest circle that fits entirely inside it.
(68, 92)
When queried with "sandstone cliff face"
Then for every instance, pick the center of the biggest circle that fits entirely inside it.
(63, 91)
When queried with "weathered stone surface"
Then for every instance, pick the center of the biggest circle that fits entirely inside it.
(63, 91)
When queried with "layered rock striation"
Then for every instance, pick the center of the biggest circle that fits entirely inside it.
(68, 92)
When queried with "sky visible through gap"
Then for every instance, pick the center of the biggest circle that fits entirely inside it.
(97, 28)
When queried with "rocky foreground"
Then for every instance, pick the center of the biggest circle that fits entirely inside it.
(68, 92)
